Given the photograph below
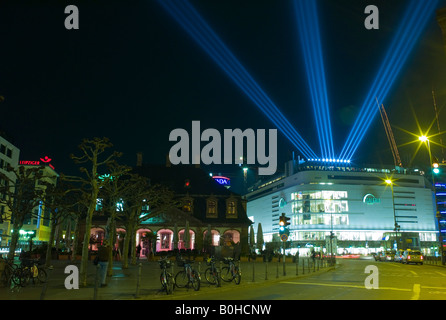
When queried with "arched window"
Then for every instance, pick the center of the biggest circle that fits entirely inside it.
(211, 208)
(165, 238)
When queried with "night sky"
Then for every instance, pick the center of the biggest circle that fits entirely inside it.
(132, 74)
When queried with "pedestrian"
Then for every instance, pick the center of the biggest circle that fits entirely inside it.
(103, 256)
(138, 250)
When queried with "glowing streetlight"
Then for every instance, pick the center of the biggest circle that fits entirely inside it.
(396, 225)
(423, 138)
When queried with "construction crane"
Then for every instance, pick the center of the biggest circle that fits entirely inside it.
(438, 124)
(390, 137)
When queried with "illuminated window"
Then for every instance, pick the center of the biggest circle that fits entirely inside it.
(231, 207)
(99, 204)
(187, 205)
(211, 208)
(120, 206)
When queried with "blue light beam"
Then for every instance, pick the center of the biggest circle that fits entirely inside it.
(200, 31)
(308, 27)
(414, 22)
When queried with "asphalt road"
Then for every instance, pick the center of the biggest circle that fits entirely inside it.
(349, 281)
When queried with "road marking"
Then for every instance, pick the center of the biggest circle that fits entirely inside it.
(414, 273)
(416, 291)
(441, 273)
(343, 286)
(436, 288)
(394, 265)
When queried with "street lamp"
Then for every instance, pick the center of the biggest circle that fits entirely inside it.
(396, 226)
(434, 169)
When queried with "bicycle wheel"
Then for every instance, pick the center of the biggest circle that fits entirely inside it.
(20, 277)
(181, 279)
(209, 276)
(42, 276)
(237, 276)
(217, 278)
(170, 283)
(226, 274)
(195, 279)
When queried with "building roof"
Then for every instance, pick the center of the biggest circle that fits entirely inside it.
(201, 187)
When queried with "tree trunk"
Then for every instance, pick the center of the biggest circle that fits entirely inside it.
(86, 244)
(13, 246)
(112, 242)
(125, 250)
(50, 243)
(133, 243)
(14, 238)
(76, 239)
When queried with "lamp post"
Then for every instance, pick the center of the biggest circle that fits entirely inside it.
(396, 226)
(437, 213)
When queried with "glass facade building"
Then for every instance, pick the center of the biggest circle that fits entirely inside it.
(357, 205)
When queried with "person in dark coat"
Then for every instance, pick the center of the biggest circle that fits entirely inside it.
(103, 256)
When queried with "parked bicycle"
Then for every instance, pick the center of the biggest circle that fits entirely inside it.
(231, 272)
(8, 271)
(29, 270)
(166, 278)
(187, 276)
(212, 274)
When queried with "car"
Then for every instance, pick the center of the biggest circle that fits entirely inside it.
(398, 256)
(387, 256)
(412, 256)
(375, 256)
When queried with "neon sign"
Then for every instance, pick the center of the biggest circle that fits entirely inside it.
(371, 199)
(222, 180)
(43, 161)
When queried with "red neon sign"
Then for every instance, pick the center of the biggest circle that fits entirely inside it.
(45, 161)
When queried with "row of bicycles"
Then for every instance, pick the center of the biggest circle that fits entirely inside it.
(189, 277)
(20, 275)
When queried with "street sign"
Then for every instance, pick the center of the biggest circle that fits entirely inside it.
(284, 237)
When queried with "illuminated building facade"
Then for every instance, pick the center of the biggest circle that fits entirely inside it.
(357, 205)
(203, 205)
(9, 155)
(37, 222)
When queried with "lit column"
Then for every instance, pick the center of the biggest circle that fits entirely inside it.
(396, 226)
(437, 213)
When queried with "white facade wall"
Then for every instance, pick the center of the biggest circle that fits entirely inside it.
(9, 154)
(412, 194)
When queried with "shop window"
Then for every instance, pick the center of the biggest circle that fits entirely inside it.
(231, 208)
(211, 208)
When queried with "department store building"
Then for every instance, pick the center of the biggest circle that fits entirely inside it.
(356, 205)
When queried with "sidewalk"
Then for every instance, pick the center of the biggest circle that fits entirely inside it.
(123, 284)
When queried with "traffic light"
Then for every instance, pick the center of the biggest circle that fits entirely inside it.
(435, 166)
(283, 223)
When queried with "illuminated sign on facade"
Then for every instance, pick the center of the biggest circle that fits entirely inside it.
(371, 199)
(222, 180)
(43, 161)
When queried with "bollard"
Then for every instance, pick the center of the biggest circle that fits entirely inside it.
(138, 281)
(314, 265)
(96, 282)
(45, 285)
(297, 267)
(266, 270)
(303, 266)
(277, 269)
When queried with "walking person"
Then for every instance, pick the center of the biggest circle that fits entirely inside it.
(103, 256)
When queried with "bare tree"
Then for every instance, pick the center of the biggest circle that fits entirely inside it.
(21, 195)
(60, 199)
(116, 183)
(92, 151)
(142, 202)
